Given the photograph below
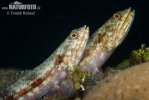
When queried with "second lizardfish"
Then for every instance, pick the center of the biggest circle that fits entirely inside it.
(105, 40)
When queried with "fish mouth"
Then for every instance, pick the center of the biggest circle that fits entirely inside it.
(130, 13)
(86, 33)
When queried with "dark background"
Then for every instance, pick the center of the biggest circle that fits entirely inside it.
(26, 41)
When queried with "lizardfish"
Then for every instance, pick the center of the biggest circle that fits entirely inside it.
(105, 40)
(100, 46)
(54, 69)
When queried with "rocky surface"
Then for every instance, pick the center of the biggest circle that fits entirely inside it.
(128, 84)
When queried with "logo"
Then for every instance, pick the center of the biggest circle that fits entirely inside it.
(18, 8)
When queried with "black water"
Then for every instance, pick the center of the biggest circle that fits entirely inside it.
(26, 41)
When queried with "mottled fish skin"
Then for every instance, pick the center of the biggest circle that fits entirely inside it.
(54, 69)
(101, 45)
(105, 40)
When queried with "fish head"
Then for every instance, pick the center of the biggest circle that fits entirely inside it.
(76, 40)
(113, 32)
(124, 21)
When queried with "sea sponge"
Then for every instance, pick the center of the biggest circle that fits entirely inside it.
(129, 84)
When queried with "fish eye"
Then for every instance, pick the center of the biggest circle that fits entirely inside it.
(116, 16)
(73, 35)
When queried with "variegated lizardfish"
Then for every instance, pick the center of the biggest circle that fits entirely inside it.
(68, 61)
(105, 40)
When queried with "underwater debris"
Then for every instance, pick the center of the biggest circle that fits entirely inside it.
(136, 57)
(78, 78)
(139, 56)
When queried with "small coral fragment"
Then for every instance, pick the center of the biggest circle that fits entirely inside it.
(139, 56)
(78, 78)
